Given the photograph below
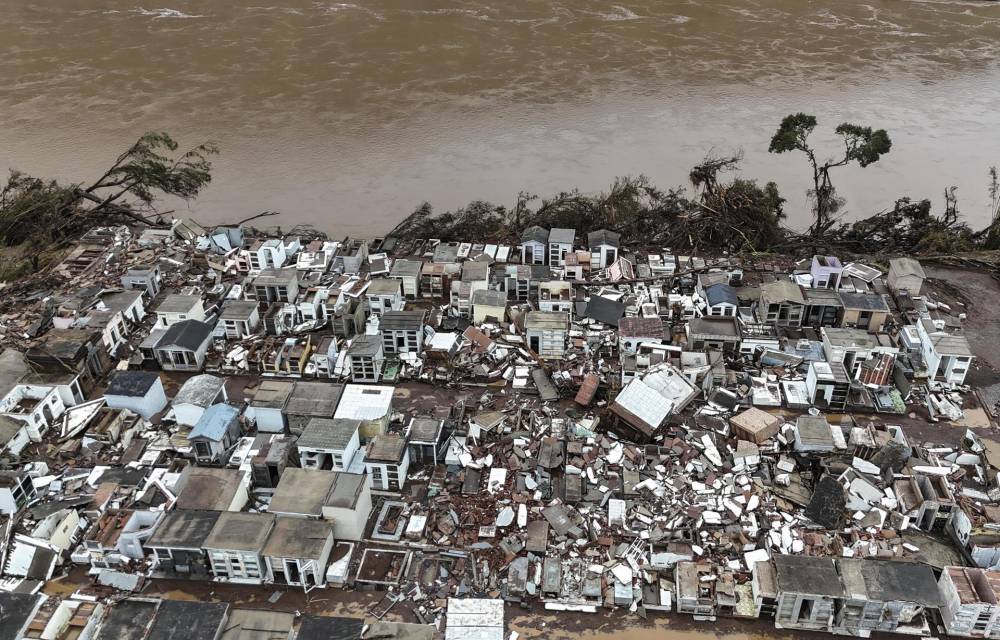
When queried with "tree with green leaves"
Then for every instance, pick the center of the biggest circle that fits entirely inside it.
(863, 145)
(43, 212)
(149, 170)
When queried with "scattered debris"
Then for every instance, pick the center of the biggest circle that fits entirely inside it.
(459, 429)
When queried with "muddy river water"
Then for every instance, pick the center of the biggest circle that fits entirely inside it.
(346, 115)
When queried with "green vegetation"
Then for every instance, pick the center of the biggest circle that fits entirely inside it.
(717, 211)
(731, 214)
(735, 215)
(861, 144)
(40, 214)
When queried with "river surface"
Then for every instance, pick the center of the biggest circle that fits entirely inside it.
(348, 115)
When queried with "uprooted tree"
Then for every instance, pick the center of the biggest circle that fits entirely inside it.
(39, 213)
(735, 215)
(728, 212)
(861, 144)
(717, 212)
(910, 226)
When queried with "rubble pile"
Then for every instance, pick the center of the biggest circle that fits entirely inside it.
(456, 425)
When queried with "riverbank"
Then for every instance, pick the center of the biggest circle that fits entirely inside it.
(347, 117)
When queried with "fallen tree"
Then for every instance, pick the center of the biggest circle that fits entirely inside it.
(737, 215)
(909, 227)
(36, 213)
(718, 210)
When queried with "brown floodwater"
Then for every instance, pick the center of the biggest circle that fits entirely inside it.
(347, 115)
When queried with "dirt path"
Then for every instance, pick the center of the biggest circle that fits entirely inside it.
(530, 623)
(981, 294)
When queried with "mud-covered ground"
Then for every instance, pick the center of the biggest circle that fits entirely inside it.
(979, 292)
(532, 622)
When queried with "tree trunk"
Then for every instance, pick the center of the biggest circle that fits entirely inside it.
(104, 207)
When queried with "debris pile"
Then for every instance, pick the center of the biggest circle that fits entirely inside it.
(455, 425)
